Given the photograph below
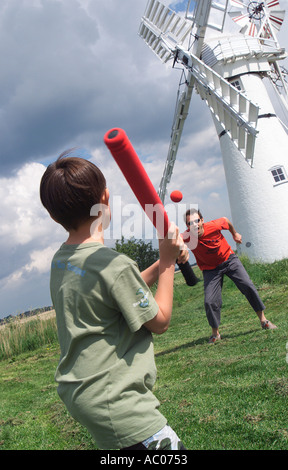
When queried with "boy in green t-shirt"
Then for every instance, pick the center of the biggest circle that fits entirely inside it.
(105, 315)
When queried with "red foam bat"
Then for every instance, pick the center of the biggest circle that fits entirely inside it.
(137, 178)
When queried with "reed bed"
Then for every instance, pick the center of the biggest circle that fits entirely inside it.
(19, 336)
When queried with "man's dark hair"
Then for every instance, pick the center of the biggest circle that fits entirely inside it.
(69, 188)
(192, 211)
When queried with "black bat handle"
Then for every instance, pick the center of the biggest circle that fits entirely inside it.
(188, 273)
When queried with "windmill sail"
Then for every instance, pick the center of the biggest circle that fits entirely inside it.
(181, 113)
(233, 110)
(167, 34)
(162, 29)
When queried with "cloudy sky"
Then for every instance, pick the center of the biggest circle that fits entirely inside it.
(70, 71)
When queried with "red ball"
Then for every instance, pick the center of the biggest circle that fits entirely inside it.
(176, 196)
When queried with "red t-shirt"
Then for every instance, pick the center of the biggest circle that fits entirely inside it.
(212, 248)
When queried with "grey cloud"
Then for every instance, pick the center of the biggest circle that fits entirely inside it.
(68, 75)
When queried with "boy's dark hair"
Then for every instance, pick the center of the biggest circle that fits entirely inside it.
(69, 188)
(192, 211)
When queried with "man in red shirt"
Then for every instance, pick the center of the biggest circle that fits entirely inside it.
(216, 258)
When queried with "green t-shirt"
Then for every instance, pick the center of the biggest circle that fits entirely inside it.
(106, 370)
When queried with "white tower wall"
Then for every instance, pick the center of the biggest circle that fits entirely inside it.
(259, 204)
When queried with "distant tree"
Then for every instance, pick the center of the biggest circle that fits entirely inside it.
(143, 253)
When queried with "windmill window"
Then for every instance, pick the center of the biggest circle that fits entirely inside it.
(279, 174)
(237, 84)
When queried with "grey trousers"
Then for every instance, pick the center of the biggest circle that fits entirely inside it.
(213, 282)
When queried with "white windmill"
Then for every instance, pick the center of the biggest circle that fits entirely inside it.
(232, 71)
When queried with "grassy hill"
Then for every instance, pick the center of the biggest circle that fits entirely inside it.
(227, 396)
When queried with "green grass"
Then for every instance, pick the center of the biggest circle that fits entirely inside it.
(31, 415)
(228, 396)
